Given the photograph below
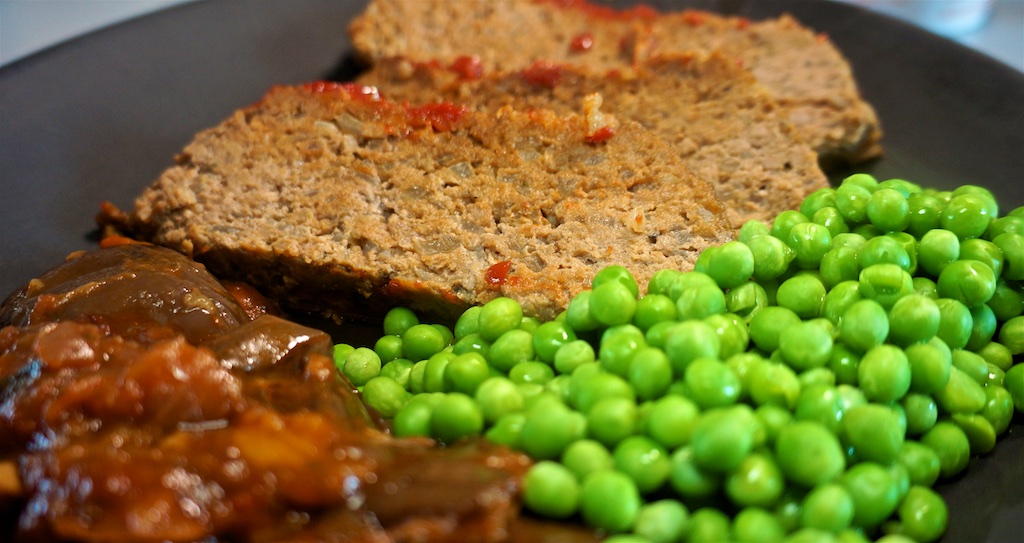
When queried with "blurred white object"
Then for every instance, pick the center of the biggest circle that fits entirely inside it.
(951, 18)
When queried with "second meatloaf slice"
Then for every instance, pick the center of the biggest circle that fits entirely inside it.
(716, 116)
(326, 196)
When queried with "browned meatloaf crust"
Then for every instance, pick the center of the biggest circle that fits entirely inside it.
(324, 195)
(803, 70)
(718, 118)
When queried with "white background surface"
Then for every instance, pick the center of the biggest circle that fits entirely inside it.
(28, 26)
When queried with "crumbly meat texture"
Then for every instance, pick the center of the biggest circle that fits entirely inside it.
(324, 195)
(713, 113)
(802, 70)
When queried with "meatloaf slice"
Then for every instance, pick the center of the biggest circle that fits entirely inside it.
(325, 195)
(717, 117)
(801, 69)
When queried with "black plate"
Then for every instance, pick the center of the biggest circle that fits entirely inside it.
(98, 119)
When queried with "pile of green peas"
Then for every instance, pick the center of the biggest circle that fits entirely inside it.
(810, 381)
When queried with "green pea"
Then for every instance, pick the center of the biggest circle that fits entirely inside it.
(650, 373)
(455, 417)
(434, 370)
(884, 373)
(951, 445)
(587, 387)
(967, 281)
(885, 283)
(767, 325)
(810, 242)
(913, 319)
(997, 354)
(531, 372)
(473, 343)
(572, 355)
(972, 364)
(820, 403)
(821, 198)
(849, 239)
(551, 490)
(671, 421)
(803, 294)
(962, 394)
(548, 337)
(955, 323)
(618, 344)
(926, 287)
(662, 521)
(828, 507)
(864, 325)
(873, 433)
(874, 492)
(979, 431)
(507, 430)
(852, 202)
(785, 221)
(413, 419)
(884, 250)
(549, 428)
(652, 309)
(1006, 302)
(751, 229)
(384, 395)
(612, 419)
(722, 437)
(757, 525)
(809, 454)
(921, 461)
(688, 280)
(839, 299)
(708, 525)
(888, 210)
(773, 383)
(643, 460)
(806, 345)
(612, 303)
(1012, 246)
(938, 249)
(657, 335)
(922, 413)
(756, 482)
(399, 319)
(361, 365)
(843, 364)
(618, 274)
(923, 514)
(832, 220)
(690, 480)
(578, 316)
(388, 348)
(498, 396)
(746, 299)
(983, 327)
(998, 408)
(771, 257)
(1011, 335)
(465, 372)
(730, 265)
(839, 264)
(421, 341)
(732, 333)
(1005, 224)
(966, 215)
(711, 383)
(510, 349)
(924, 211)
(398, 369)
(699, 302)
(689, 340)
(929, 366)
(585, 456)
(609, 500)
